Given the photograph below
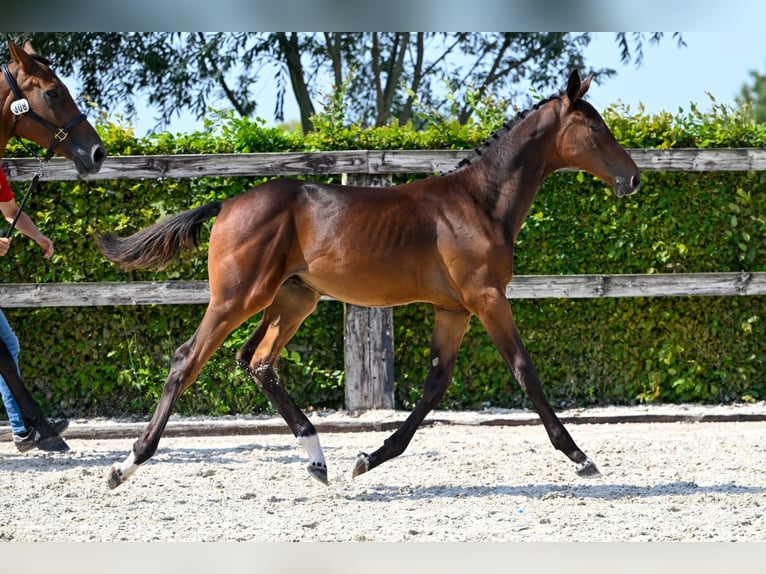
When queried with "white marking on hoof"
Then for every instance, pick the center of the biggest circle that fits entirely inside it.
(318, 471)
(313, 449)
(588, 469)
(122, 471)
(361, 465)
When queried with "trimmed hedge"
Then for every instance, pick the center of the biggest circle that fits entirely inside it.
(113, 361)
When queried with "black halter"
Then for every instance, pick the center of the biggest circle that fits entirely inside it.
(21, 106)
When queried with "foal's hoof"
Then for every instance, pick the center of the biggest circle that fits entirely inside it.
(588, 469)
(362, 464)
(115, 478)
(318, 471)
(53, 444)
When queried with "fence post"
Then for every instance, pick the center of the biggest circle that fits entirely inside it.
(368, 340)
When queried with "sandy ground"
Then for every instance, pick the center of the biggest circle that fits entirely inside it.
(486, 476)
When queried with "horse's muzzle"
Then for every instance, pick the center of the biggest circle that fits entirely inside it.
(89, 160)
(624, 186)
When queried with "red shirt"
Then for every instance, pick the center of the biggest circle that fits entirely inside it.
(6, 193)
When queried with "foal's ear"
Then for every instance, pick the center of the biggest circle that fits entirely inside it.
(575, 88)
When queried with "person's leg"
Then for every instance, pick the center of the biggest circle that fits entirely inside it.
(12, 408)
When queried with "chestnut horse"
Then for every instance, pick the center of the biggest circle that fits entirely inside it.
(445, 240)
(36, 106)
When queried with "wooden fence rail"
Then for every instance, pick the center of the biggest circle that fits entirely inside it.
(369, 332)
(354, 162)
(523, 287)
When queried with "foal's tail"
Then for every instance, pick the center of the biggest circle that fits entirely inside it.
(157, 245)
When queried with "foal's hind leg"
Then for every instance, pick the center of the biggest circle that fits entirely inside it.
(495, 314)
(448, 334)
(259, 356)
(186, 363)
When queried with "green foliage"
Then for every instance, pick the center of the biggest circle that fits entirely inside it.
(753, 95)
(113, 361)
(720, 126)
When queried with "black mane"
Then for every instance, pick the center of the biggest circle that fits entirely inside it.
(42, 60)
(507, 126)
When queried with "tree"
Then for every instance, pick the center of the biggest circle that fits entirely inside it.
(382, 74)
(754, 95)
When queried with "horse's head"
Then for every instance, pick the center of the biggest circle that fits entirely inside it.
(584, 142)
(39, 107)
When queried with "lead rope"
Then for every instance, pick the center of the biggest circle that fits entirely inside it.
(32, 186)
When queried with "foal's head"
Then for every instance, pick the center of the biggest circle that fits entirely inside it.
(584, 142)
(49, 115)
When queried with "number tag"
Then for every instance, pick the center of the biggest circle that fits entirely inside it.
(20, 107)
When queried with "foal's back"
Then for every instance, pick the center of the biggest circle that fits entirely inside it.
(368, 246)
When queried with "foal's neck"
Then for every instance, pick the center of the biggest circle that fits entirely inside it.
(513, 169)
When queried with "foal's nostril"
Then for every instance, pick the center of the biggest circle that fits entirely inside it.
(635, 181)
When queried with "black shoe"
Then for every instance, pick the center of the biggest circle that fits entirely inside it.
(59, 426)
(33, 439)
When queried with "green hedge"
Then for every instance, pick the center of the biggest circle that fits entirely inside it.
(112, 361)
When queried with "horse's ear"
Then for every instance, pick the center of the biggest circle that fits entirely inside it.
(573, 86)
(21, 56)
(29, 48)
(585, 85)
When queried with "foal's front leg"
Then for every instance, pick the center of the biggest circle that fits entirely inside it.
(495, 314)
(448, 334)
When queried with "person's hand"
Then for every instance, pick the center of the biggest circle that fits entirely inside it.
(46, 244)
(5, 244)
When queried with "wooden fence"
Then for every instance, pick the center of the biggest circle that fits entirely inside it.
(368, 331)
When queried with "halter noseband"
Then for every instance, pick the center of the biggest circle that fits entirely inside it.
(20, 106)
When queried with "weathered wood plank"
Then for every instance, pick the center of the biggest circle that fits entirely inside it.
(522, 287)
(696, 159)
(427, 162)
(354, 161)
(369, 358)
(104, 294)
(661, 285)
(198, 165)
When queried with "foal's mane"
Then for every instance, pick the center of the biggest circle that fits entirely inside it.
(507, 126)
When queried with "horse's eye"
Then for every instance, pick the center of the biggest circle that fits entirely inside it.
(53, 94)
(595, 127)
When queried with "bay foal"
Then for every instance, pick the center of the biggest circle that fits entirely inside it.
(444, 240)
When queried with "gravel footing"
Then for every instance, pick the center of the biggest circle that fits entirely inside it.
(670, 473)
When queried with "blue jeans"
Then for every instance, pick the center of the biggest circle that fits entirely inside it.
(11, 407)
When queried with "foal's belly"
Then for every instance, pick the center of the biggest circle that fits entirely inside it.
(379, 290)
